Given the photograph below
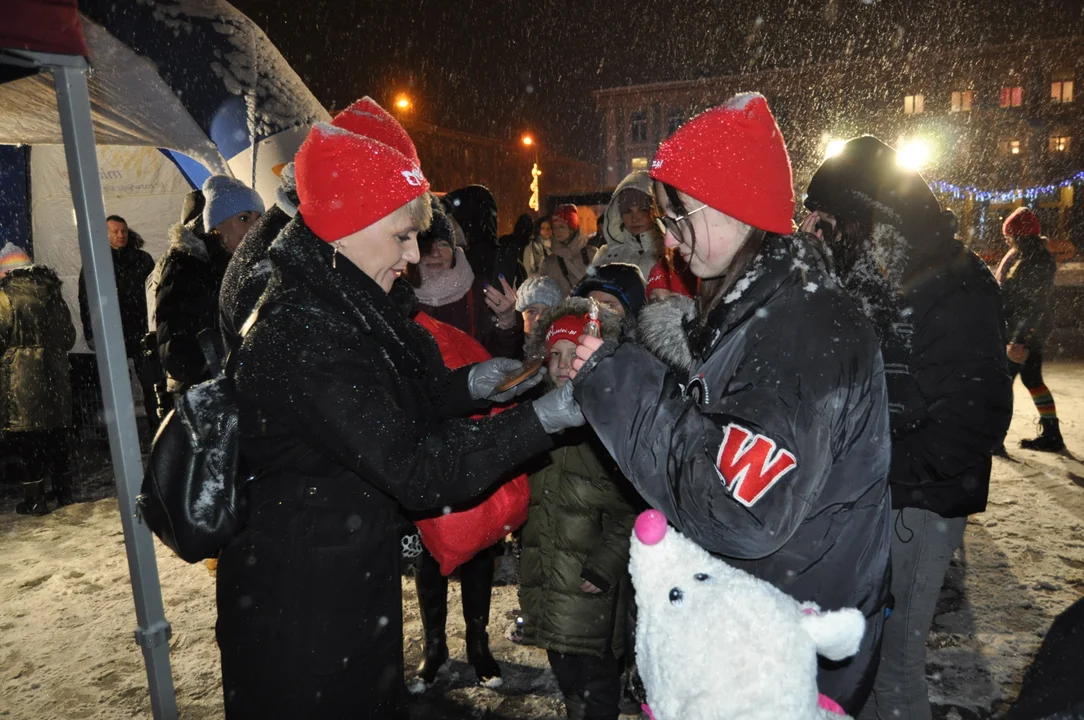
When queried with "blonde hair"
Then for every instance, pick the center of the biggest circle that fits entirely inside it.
(420, 212)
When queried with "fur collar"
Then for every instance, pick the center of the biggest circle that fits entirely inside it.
(661, 330)
(302, 258)
(183, 240)
(609, 323)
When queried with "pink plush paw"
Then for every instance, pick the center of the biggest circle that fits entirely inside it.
(651, 527)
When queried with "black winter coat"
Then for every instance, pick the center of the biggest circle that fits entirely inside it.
(36, 333)
(1026, 275)
(348, 419)
(768, 443)
(247, 275)
(186, 304)
(957, 402)
(131, 266)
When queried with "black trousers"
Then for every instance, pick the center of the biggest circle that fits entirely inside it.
(42, 452)
(1031, 370)
(593, 681)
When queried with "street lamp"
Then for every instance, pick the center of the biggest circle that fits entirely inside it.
(402, 102)
(913, 154)
(527, 140)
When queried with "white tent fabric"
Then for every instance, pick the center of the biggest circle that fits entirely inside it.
(130, 105)
(138, 183)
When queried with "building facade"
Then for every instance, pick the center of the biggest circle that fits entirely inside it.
(453, 159)
(977, 121)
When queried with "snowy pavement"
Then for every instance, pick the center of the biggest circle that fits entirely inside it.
(66, 613)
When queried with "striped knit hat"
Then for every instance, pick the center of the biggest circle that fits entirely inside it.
(11, 257)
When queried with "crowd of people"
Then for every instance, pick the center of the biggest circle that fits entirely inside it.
(818, 405)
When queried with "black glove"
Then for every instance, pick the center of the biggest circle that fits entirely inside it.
(558, 410)
(486, 377)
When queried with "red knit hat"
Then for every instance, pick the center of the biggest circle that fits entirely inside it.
(1022, 222)
(733, 158)
(366, 117)
(347, 182)
(569, 215)
(664, 276)
(566, 327)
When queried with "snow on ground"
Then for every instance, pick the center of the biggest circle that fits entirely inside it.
(66, 612)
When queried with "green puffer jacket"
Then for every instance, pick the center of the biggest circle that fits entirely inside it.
(578, 528)
(36, 333)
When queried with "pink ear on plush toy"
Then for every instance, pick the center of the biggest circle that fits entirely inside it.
(651, 527)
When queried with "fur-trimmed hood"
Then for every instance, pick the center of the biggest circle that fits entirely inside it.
(610, 323)
(32, 273)
(643, 250)
(660, 328)
(183, 239)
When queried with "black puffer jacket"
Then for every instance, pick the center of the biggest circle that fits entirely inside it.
(186, 304)
(1026, 275)
(131, 266)
(938, 313)
(342, 393)
(36, 333)
(766, 439)
(247, 275)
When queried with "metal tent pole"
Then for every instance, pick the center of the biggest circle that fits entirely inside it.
(153, 632)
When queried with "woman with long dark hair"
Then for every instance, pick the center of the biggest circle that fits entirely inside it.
(763, 435)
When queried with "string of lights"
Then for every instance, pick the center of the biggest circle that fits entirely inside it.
(998, 196)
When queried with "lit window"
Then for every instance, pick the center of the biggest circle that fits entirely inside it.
(1013, 147)
(1061, 91)
(638, 127)
(675, 118)
(639, 163)
(1059, 143)
(961, 101)
(1012, 96)
(914, 104)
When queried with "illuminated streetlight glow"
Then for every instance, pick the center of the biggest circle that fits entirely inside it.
(402, 102)
(835, 147)
(527, 140)
(913, 154)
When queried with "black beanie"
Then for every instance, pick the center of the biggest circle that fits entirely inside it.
(192, 207)
(439, 229)
(864, 182)
(622, 280)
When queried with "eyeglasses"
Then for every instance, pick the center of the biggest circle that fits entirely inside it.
(670, 225)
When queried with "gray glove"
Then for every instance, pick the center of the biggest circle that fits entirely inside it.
(486, 376)
(558, 410)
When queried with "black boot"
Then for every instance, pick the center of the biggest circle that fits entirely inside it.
(476, 576)
(432, 590)
(1049, 439)
(35, 499)
(62, 489)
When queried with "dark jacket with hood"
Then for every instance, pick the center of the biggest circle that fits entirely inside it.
(578, 528)
(762, 433)
(186, 304)
(348, 418)
(131, 268)
(1026, 275)
(938, 312)
(36, 333)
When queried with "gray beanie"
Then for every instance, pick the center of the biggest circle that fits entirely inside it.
(225, 197)
(539, 291)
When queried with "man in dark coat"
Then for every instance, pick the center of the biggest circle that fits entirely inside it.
(36, 333)
(937, 311)
(131, 268)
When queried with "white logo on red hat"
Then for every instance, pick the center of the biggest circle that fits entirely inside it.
(414, 177)
(656, 164)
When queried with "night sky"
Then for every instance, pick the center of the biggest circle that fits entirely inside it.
(498, 67)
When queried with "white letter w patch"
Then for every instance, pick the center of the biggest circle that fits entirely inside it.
(750, 464)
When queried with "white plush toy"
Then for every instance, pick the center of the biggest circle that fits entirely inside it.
(715, 643)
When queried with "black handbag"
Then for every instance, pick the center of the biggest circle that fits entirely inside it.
(193, 481)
